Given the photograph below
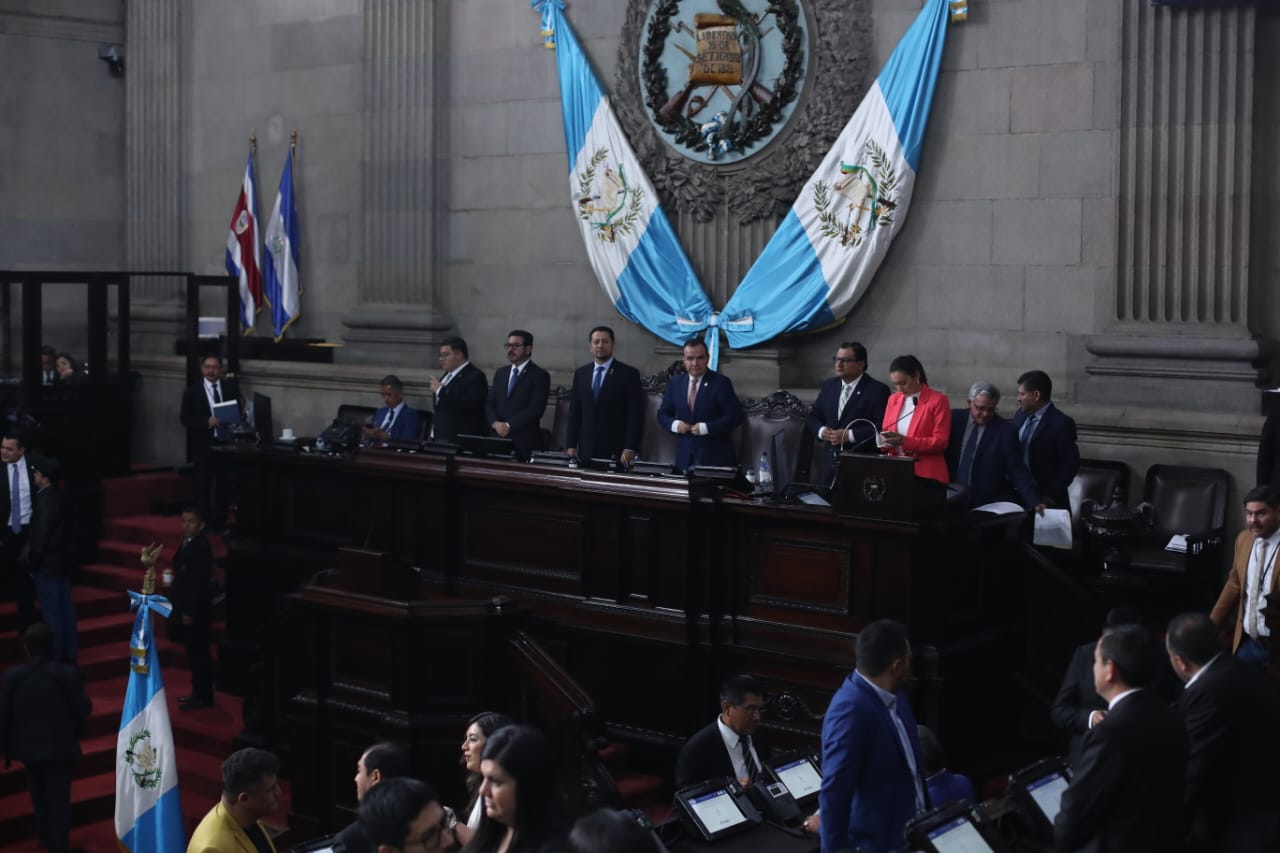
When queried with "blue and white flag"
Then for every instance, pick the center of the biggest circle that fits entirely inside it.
(827, 249)
(148, 814)
(631, 245)
(281, 272)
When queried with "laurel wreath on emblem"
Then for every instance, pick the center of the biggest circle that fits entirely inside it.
(144, 763)
(613, 210)
(874, 489)
(879, 194)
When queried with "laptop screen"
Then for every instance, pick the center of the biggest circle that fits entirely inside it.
(1047, 793)
(801, 778)
(717, 810)
(958, 836)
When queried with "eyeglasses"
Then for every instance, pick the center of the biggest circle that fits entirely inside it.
(839, 360)
(751, 710)
(515, 346)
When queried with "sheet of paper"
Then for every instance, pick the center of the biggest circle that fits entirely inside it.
(1177, 544)
(1053, 529)
(999, 508)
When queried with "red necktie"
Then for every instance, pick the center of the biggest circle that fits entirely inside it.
(693, 393)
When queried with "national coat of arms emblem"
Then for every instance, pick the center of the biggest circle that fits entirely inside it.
(607, 200)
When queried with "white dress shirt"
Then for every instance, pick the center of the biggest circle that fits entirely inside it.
(731, 742)
(1262, 564)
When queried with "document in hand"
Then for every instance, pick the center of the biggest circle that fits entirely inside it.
(1053, 529)
(228, 412)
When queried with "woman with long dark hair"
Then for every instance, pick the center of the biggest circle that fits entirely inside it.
(917, 420)
(479, 728)
(520, 794)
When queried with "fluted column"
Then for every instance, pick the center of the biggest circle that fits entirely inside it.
(398, 288)
(1181, 308)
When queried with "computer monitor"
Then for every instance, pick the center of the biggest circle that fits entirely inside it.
(717, 808)
(801, 776)
(262, 418)
(1037, 792)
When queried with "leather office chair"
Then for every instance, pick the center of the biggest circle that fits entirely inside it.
(1095, 483)
(756, 437)
(560, 421)
(658, 445)
(1181, 499)
(356, 415)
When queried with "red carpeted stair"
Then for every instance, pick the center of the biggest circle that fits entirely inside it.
(203, 738)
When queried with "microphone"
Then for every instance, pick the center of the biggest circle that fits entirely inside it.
(876, 430)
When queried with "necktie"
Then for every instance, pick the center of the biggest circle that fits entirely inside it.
(748, 760)
(905, 742)
(1028, 430)
(844, 400)
(15, 500)
(217, 392)
(693, 393)
(511, 383)
(965, 473)
(388, 420)
(597, 380)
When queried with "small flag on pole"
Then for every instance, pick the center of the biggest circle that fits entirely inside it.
(244, 252)
(282, 285)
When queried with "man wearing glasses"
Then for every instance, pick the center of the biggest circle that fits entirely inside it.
(518, 396)
(725, 747)
(848, 397)
(401, 815)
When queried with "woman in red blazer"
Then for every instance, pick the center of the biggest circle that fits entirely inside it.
(926, 433)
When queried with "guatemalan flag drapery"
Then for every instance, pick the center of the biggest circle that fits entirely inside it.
(827, 249)
(632, 247)
(148, 814)
(244, 253)
(281, 273)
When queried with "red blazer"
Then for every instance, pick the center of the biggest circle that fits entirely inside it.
(927, 437)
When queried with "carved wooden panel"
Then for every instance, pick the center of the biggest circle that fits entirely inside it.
(516, 543)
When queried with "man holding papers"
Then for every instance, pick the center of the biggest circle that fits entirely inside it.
(212, 401)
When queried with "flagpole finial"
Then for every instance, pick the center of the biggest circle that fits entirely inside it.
(293, 140)
(253, 139)
(150, 554)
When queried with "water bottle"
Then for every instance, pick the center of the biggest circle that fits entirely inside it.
(765, 476)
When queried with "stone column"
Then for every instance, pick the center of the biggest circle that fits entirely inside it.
(154, 195)
(399, 287)
(1180, 327)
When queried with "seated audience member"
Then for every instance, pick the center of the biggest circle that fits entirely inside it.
(379, 763)
(944, 786)
(725, 748)
(1127, 789)
(608, 831)
(403, 814)
(458, 395)
(1230, 710)
(518, 397)
(395, 421)
(917, 420)
(68, 371)
(250, 792)
(1252, 577)
(702, 408)
(479, 729)
(1047, 438)
(521, 799)
(983, 454)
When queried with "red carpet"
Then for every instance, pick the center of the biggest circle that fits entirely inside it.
(203, 738)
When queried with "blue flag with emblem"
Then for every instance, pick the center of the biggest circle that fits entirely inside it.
(148, 815)
(632, 247)
(825, 252)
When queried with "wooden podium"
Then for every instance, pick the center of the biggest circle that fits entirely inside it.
(884, 487)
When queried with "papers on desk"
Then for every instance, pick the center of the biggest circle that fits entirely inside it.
(812, 499)
(999, 508)
(227, 412)
(1178, 544)
(1053, 529)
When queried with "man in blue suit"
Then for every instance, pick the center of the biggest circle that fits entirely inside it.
(395, 421)
(984, 454)
(871, 758)
(851, 395)
(518, 397)
(606, 410)
(1047, 438)
(702, 408)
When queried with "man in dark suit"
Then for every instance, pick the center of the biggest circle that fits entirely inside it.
(851, 395)
(16, 504)
(191, 599)
(606, 407)
(518, 398)
(1047, 438)
(702, 408)
(43, 708)
(872, 782)
(726, 747)
(459, 395)
(379, 763)
(50, 558)
(1127, 790)
(984, 454)
(1230, 711)
(394, 421)
(197, 416)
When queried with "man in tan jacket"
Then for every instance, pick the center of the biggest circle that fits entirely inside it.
(1252, 577)
(250, 792)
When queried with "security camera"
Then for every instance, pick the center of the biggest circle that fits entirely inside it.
(113, 55)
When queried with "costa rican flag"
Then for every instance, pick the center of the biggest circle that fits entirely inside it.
(244, 250)
(282, 285)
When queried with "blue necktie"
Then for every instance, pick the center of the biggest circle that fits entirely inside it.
(15, 502)
(596, 382)
(1028, 430)
(511, 383)
(966, 455)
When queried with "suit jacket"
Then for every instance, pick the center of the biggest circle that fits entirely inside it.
(523, 409)
(927, 437)
(406, 427)
(218, 832)
(353, 839)
(43, 708)
(195, 415)
(603, 428)
(998, 473)
(1053, 457)
(717, 406)
(867, 403)
(1231, 600)
(1127, 791)
(1077, 700)
(49, 545)
(4, 496)
(704, 756)
(868, 792)
(192, 570)
(459, 406)
(1230, 713)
